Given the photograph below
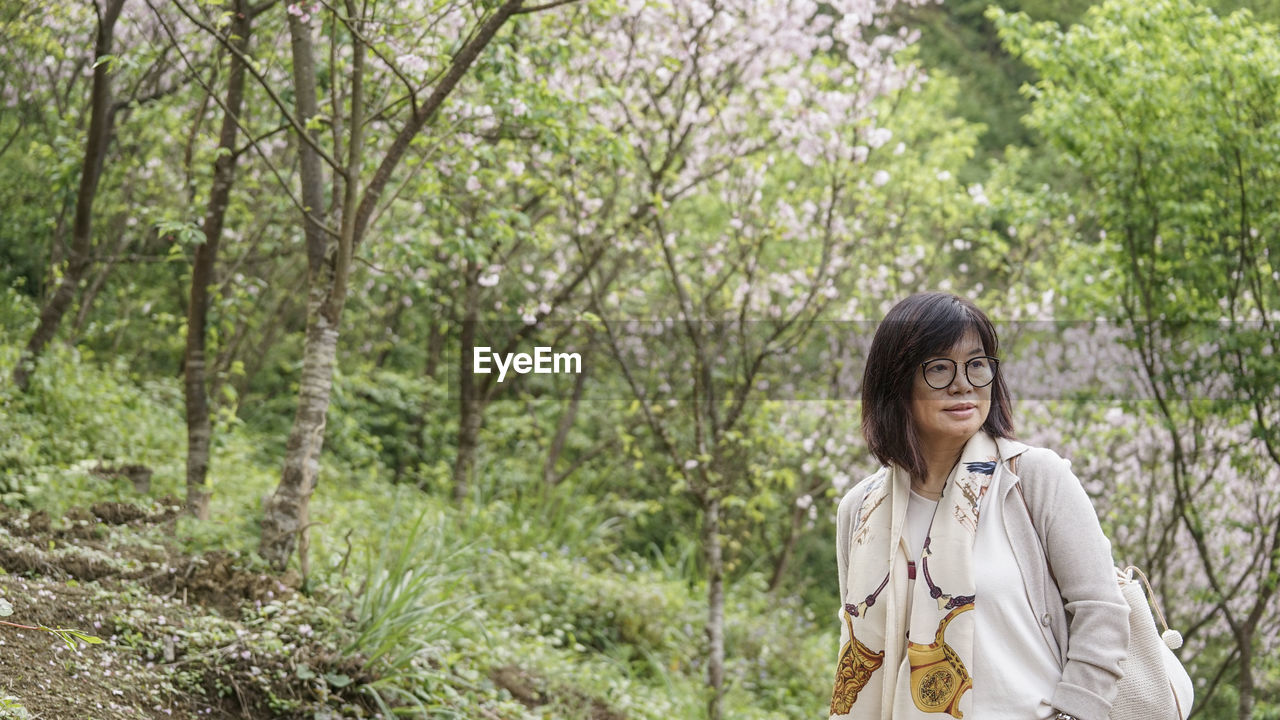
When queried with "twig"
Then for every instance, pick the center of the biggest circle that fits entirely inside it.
(392, 66)
(342, 566)
(298, 127)
(544, 6)
(14, 136)
(65, 634)
(261, 153)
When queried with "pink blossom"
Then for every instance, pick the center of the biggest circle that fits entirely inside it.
(300, 11)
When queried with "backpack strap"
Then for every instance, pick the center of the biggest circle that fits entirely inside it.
(1013, 467)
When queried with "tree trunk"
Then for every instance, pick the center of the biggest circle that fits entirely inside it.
(329, 263)
(562, 430)
(784, 557)
(435, 347)
(99, 137)
(91, 292)
(1244, 707)
(715, 610)
(286, 512)
(468, 393)
(199, 426)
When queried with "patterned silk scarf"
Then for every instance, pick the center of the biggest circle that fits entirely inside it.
(884, 672)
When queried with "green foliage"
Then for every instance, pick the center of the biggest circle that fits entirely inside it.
(386, 417)
(11, 708)
(534, 579)
(71, 636)
(409, 599)
(77, 417)
(959, 38)
(527, 575)
(1179, 159)
(1168, 114)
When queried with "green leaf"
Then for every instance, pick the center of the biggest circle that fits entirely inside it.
(90, 639)
(5, 608)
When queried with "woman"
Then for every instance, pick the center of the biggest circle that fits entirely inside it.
(949, 605)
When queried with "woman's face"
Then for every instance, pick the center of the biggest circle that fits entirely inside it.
(951, 415)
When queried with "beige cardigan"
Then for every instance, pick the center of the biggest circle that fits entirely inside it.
(1092, 629)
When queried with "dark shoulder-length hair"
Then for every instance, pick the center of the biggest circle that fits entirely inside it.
(918, 328)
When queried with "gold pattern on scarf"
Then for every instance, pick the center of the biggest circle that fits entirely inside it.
(857, 662)
(938, 675)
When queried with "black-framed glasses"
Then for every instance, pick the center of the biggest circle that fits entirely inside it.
(941, 372)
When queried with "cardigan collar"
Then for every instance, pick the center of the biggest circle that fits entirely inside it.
(1006, 479)
(1009, 449)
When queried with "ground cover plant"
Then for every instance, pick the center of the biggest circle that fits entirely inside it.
(514, 608)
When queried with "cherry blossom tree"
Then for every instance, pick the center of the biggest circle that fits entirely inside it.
(752, 124)
(377, 100)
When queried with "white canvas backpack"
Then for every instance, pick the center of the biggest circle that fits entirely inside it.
(1155, 685)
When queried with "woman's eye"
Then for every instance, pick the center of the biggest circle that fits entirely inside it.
(937, 369)
(978, 364)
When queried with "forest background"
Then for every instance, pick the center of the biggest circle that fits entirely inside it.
(247, 251)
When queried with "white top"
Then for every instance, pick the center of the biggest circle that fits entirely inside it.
(1015, 660)
(920, 510)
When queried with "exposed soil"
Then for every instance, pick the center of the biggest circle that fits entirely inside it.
(108, 571)
(183, 636)
(213, 579)
(53, 681)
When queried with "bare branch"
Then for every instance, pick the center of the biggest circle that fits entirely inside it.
(265, 158)
(14, 136)
(457, 69)
(392, 66)
(544, 6)
(278, 129)
(298, 127)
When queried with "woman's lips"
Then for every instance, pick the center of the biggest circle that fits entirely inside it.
(962, 413)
